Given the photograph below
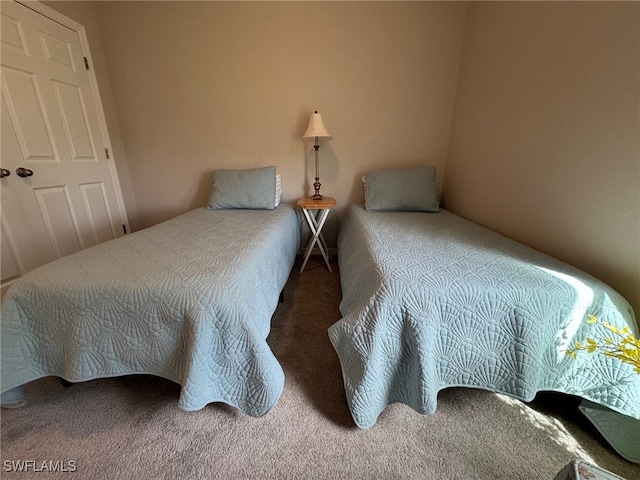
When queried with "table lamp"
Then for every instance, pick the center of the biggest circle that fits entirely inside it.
(316, 130)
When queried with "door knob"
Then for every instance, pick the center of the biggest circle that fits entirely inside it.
(4, 172)
(23, 172)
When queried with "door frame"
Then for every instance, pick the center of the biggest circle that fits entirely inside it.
(65, 21)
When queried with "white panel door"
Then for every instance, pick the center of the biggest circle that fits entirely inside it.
(59, 192)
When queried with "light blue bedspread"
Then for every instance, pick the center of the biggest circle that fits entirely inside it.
(190, 300)
(433, 301)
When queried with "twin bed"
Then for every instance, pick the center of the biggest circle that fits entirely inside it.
(430, 301)
(190, 300)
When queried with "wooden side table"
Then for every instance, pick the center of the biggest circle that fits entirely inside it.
(316, 212)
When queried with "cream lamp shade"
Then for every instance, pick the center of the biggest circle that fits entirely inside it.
(316, 127)
(316, 130)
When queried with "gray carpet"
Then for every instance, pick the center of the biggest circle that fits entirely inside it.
(130, 427)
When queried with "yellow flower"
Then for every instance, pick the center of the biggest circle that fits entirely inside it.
(625, 347)
(592, 345)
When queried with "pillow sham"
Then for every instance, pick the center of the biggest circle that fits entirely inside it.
(252, 188)
(402, 190)
(278, 189)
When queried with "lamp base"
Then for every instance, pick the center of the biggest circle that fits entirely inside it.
(316, 187)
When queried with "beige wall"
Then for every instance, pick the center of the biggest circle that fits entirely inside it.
(205, 85)
(544, 146)
(545, 143)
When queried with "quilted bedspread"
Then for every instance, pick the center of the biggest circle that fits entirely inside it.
(190, 299)
(433, 301)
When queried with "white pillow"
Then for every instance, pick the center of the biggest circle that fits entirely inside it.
(278, 189)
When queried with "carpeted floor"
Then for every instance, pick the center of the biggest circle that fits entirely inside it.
(131, 427)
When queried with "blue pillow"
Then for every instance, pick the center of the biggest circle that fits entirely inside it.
(252, 188)
(402, 190)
